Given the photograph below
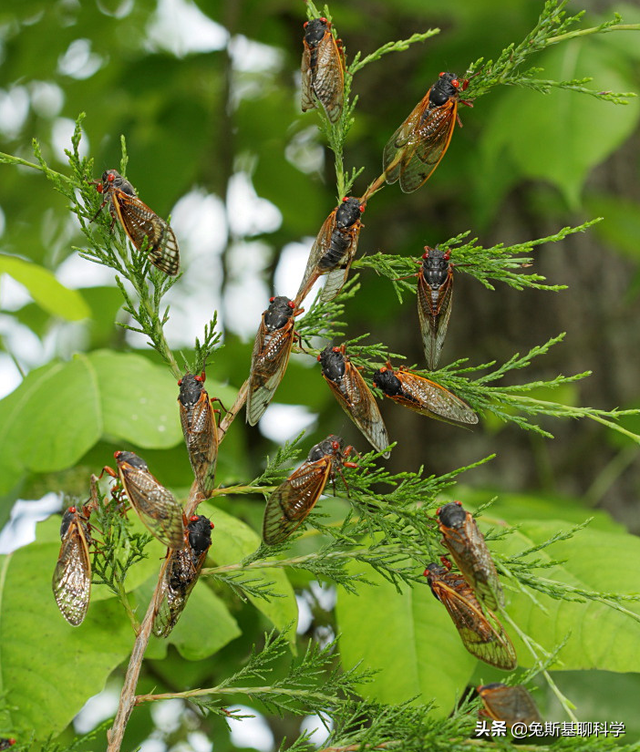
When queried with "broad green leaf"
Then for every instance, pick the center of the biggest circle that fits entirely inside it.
(561, 136)
(61, 410)
(621, 224)
(48, 668)
(600, 637)
(408, 637)
(414, 644)
(232, 541)
(138, 400)
(45, 289)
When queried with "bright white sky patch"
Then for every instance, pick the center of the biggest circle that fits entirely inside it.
(61, 133)
(282, 423)
(180, 27)
(21, 528)
(14, 107)
(248, 213)
(46, 98)
(96, 709)
(321, 728)
(250, 732)
(78, 61)
(253, 57)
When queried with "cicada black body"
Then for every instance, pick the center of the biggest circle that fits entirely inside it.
(423, 396)
(416, 148)
(322, 69)
(468, 549)
(435, 295)
(354, 396)
(482, 634)
(181, 573)
(270, 355)
(140, 222)
(333, 250)
(290, 504)
(156, 506)
(200, 430)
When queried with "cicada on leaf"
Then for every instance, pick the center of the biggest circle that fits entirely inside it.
(270, 355)
(508, 704)
(72, 575)
(322, 69)
(423, 396)
(156, 506)
(468, 549)
(140, 223)
(200, 430)
(435, 295)
(416, 148)
(333, 250)
(482, 635)
(290, 504)
(354, 396)
(181, 573)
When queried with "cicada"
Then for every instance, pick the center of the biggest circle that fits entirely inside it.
(423, 396)
(322, 69)
(416, 148)
(181, 573)
(467, 546)
(140, 222)
(482, 635)
(508, 704)
(72, 576)
(6, 743)
(290, 504)
(156, 506)
(200, 430)
(270, 355)
(354, 396)
(333, 250)
(435, 294)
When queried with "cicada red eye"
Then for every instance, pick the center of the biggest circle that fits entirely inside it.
(72, 510)
(447, 255)
(193, 518)
(111, 177)
(324, 20)
(305, 24)
(362, 208)
(455, 83)
(291, 304)
(211, 525)
(346, 198)
(271, 299)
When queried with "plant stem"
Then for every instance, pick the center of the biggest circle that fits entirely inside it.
(127, 697)
(226, 690)
(591, 30)
(10, 159)
(231, 414)
(566, 704)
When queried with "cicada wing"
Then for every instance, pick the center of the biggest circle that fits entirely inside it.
(432, 138)
(337, 277)
(328, 77)
(307, 101)
(356, 399)
(156, 506)
(140, 222)
(318, 250)
(290, 504)
(437, 401)
(72, 575)
(509, 704)
(475, 563)
(269, 361)
(201, 437)
(434, 319)
(400, 147)
(483, 636)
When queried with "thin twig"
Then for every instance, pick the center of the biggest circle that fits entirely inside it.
(235, 409)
